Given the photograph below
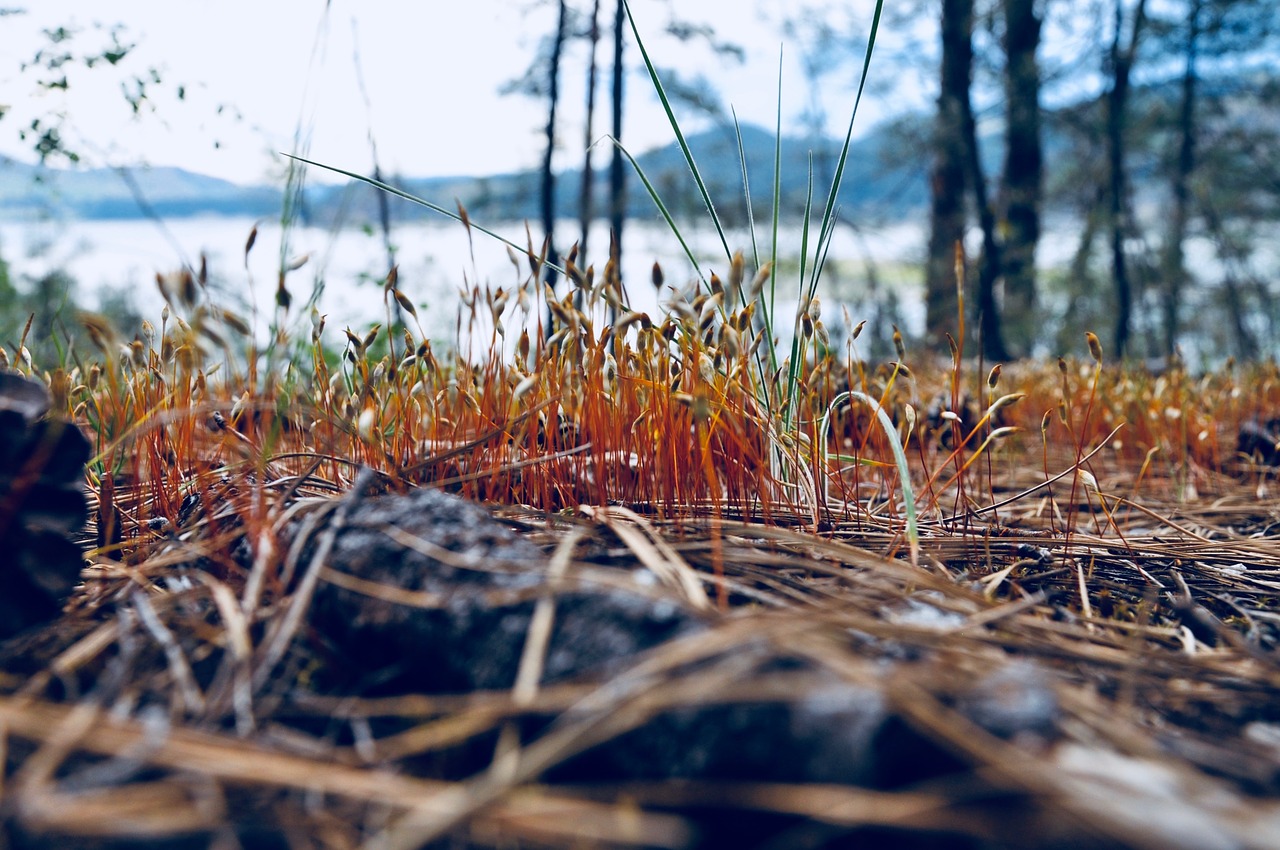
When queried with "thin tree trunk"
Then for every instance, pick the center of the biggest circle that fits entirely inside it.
(1078, 271)
(617, 172)
(1175, 270)
(947, 181)
(1121, 60)
(993, 347)
(587, 196)
(548, 197)
(1246, 348)
(1022, 179)
(384, 217)
(1233, 257)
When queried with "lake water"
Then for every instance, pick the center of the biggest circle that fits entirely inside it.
(435, 261)
(872, 273)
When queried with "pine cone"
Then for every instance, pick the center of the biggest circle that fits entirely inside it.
(42, 505)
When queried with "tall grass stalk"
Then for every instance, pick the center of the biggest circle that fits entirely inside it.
(788, 396)
(776, 389)
(436, 208)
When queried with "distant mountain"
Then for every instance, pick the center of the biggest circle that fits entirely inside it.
(105, 193)
(870, 183)
(871, 178)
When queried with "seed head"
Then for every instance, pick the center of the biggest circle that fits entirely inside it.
(1095, 347)
(736, 268)
(821, 330)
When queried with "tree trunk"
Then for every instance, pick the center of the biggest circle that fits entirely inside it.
(617, 172)
(1246, 348)
(993, 347)
(384, 218)
(586, 197)
(1022, 180)
(947, 181)
(1121, 61)
(1078, 272)
(1175, 270)
(1233, 256)
(548, 197)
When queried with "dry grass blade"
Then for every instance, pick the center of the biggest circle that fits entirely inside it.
(840, 805)
(61, 731)
(539, 634)
(618, 707)
(284, 629)
(652, 551)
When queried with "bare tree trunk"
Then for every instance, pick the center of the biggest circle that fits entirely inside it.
(1175, 270)
(957, 161)
(1022, 181)
(993, 347)
(548, 197)
(1246, 348)
(384, 217)
(1078, 272)
(587, 196)
(1121, 61)
(1233, 256)
(617, 172)
(947, 181)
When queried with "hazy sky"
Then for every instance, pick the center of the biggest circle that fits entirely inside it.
(432, 71)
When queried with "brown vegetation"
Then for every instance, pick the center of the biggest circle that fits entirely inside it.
(1073, 641)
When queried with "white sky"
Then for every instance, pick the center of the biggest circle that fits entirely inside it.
(432, 70)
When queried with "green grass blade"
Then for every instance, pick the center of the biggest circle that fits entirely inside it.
(797, 340)
(746, 189)
(675, 126)
(806, 220)
(824, 248)
(899, 459)
(755, 247)
(838, 177)
(400, 193)
(777, 207)
(662, 208)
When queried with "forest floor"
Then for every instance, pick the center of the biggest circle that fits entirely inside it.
(613, 599)
(633, 681)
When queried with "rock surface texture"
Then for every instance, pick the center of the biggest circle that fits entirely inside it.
(42, 505)
(470, 588)
(467, 587)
